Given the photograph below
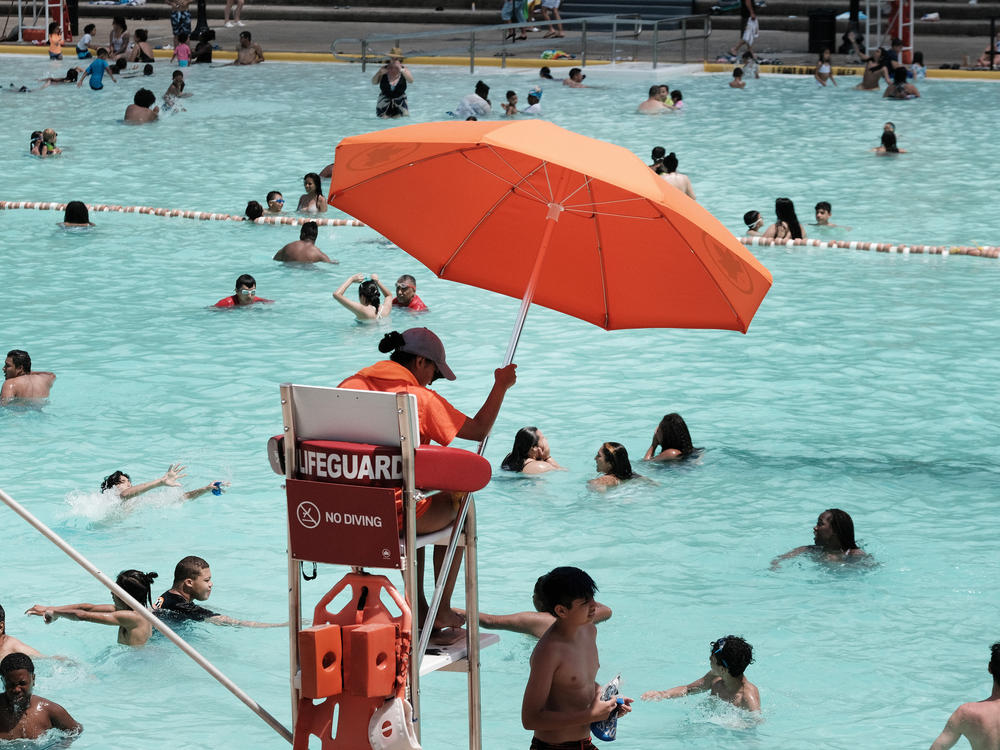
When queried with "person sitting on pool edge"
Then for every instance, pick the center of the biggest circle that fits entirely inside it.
(121, 484)
(417, 359)
(672, 437)
(139, 111)
(304, 249)
(406, 293)
(249, 52)
(133, 628)
(728, 659)
(978, 722)
(23, 715)
(8, 643)
(20, 383)
(193, 580)
(530, 454)
(245, 294)
(614, 466)
(833, 535)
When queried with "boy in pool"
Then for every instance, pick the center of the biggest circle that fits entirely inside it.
(978, 722)
(729, 658)
(510, 106)
(96, 70)
(22, 714)
(561, 699)
(9, 644)
(737, 82)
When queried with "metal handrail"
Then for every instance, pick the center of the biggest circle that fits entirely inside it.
(622, 25)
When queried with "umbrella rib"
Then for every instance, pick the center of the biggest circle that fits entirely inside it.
(523, 178)
(600, 254)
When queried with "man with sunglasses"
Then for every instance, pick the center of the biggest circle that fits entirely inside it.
(304, 249)
(245, 294)
(406, 294)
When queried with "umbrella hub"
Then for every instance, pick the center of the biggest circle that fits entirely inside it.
(554, 210)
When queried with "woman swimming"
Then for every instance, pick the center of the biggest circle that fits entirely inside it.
(121, 484)
(530, 454)
(312, 201)
(787, 227)
(613, 464)
(76, 215)
(899, 88)
(671, 436)
(888, 147)
(369, 305)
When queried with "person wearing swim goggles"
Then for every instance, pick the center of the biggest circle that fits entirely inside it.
(275, 202)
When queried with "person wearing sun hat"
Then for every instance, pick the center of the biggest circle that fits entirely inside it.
(417, 359)
(392, 79)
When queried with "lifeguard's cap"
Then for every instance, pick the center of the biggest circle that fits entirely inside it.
(424, 343)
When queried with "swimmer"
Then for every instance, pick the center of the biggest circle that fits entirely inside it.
(275, 202)
(245, 294)
(96, 70)
(653, 105)
(510, 105)
(978, 722)
(369, 305)
(139, 112)
(120, 483)
(575, 80)
(312, 201)
(72, 76)
(613, 464)
(24, 716)
(248, 52)
(754, 222)
(562, 698)
(534, 102)
(889, 146)
(824, 70)
(417, 359)
(477, 104)
(304, 249)
(678, 99)
(899, 88)
(9, 644)
(406, 293)
(665, 95)
(76, 215)
(20, 383)
(175, 91)
(671, 436)
(253, 211)
(833, 535)
(545, 73)
(728, 659)
(657, 155)
(133, 628)
(823, 212)
(876, 67)
(737, 82)
(680, 181)
(48, 143)
(530, 454)
(787, 226)
(193, 581)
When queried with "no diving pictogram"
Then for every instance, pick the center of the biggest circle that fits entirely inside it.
(308, 514)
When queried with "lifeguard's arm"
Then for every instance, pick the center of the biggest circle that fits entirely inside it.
(534, 714)
(192, 494)
(698, 686)
(359, 310)
(479, 426)
(951, 733)
(170, 479)
(226, 620)
(788, 555)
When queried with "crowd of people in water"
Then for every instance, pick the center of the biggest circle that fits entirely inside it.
(566, 612)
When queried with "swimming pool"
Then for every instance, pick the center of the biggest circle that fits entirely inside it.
(865, 383)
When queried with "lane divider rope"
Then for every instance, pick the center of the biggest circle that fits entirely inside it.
(983, 251)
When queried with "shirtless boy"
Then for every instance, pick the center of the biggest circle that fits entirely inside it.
(728, 659)
(978, 722)
(23, 715)
(304, 249)
(193, 581)
(248, 53)
(20, 382)
(561, 699)
(9, 644)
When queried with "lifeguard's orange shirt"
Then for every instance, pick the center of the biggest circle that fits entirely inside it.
(439, 420)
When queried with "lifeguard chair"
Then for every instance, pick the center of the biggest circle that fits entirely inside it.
(34, 16)
(348, 458)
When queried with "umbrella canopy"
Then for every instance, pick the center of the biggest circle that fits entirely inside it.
(481, 202)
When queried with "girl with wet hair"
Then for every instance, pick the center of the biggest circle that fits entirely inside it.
(613, 464)
(833, 540)
(76, 215)
(672, 438)
(121, 483)
(680, 181)
(133, 628)
(312, 201)
(787, 226)
(254, 211)
(530, 454)
(888, 147)
(370, 305)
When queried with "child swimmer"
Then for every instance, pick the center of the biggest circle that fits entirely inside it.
(729, 657)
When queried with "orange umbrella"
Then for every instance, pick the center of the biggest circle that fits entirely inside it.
(539, 213)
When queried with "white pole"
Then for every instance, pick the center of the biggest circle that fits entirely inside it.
(140, 608)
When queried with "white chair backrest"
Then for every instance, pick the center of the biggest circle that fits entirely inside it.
(350, 416)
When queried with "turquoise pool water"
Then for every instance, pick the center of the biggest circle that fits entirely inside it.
(865, 382)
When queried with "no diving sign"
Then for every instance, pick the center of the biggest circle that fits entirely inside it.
(343, 524)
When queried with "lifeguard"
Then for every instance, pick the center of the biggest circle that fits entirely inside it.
(417, 360)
